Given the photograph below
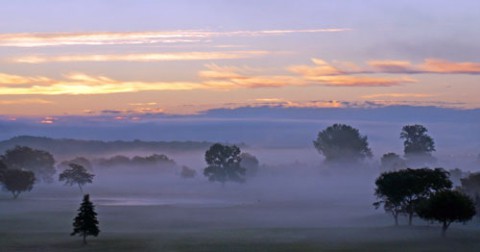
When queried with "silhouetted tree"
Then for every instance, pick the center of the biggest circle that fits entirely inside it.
(38, 161)
(250, 163)
(86, 223)
(401, 191)
(76, 174)
(224, 164)
(18, 181)
(418, 145)
(187, 172)
(447, 207)
(79, 161)
(342, 143)
(392, 162)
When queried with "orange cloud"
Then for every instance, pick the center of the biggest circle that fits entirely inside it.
(325, 73)
(320, 67)
(445, 66)
(48, 120)
(79, 83)
(153, 57)
(397, 95)
(25, 102)
(438, 66)
(15, 80)
(217, 77)
(300, 104)
(360, 81)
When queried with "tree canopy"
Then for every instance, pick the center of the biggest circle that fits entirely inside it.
(224, 164)
(342, 143)
(86, 223)
(418, 145)
(401, 191)
(79, 161)
(447, 207)
(38, 161)
(76, 174)
(18, 181)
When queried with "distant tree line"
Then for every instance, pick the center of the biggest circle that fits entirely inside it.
(69, 147)
(151, 161)
(343, 145)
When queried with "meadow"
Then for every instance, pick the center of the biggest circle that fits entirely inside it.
(146, 213)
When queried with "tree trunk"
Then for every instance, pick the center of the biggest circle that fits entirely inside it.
(15, 195)
(81, 190)
(410, 217)
(84, 238)
(395, 216)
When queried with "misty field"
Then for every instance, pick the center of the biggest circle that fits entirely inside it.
(298, 212)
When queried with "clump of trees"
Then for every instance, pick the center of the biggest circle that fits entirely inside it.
(342, 143)
(224, 164)
(86, 223)
(76, 174)
(424, 192)
(21, 167)
(401, 191)
(37, 161)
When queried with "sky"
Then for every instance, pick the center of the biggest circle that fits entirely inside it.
(94, 57)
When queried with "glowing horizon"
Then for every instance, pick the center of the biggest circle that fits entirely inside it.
(186, 63)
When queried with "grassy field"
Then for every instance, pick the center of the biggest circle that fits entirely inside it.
(41, 221)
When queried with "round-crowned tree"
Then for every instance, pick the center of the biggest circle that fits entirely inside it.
(224, 164)
(447, 207)
(418, 145)
(342, 143)
(76, 174)
(18, 181)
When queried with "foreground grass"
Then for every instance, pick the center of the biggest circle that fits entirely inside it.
(43, 222)
(327, 239)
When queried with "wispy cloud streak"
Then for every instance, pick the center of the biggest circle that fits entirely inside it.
(81, 84)
(150, 57)
(136, 38)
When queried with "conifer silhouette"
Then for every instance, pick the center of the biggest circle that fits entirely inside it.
(86, 222)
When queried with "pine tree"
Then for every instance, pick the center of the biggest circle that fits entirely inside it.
(86, 222)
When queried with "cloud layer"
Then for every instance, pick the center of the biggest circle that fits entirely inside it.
(215, 77)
